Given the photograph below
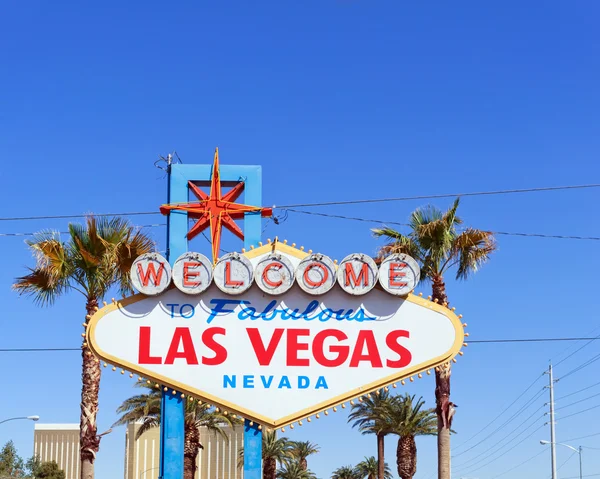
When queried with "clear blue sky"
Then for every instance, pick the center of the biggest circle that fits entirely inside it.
(337, 99)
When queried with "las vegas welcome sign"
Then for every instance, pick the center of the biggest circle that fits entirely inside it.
(275, 334)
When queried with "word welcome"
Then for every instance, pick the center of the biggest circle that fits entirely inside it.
(316, 274)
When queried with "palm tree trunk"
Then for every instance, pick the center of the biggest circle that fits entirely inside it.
(442, 392)
(189, 467)
(191, 447)
(380, 456)
(438, 289)
(406, 457)
(89, 442)
(304, 464)
(270, 468)
(442, 399)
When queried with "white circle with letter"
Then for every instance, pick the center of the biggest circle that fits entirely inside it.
(357, 274)
(316, 274)
(233, 273)
(274, 274)
(192, 273)
(150, 274)
(399, 274)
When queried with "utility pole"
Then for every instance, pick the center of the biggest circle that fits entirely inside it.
(552, 431)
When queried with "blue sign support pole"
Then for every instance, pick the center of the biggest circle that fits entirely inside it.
(172, 429)
(172, 412)
(253, 435)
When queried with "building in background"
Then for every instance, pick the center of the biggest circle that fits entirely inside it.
(218, 459)
(59, 443)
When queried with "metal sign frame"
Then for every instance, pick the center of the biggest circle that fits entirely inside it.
(173, 408)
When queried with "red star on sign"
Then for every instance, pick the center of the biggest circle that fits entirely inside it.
(216, 210)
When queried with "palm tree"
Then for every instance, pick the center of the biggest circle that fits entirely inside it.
(146, 408)
(409, 419)
(369, 416)
(97, 256)
(368, 468)
(434, 241)
(294, 470)
(345, 472)
(274, 451)
(300, 450)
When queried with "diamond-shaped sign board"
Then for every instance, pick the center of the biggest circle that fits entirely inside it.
(276, 357)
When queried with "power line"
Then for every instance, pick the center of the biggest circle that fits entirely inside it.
(581, 412)
(578, 391)
(327, 215)
(499, 428)
(532, 235)
(582, 437)
(342, 217)
(527, 340)
(482, 341)
(470, 471)
(521, 464)
(62, 217)
(27, 350)
(496, 446)
(565, 461)
(579, 349)
(504, 233)
(66, 232)
(446, 195)
(577, 402)
(580, 367)
(485, 428)
(585, 475)
(332, 203)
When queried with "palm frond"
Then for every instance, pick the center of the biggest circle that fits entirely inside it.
(49, 251)
(408, 418)
(126, 251)
(399, 243)
(111, 230)
(369, 416)
(293, 470)
(49, 278)
(473, 248)
(388, 232)
(450, 216)
(424, 215)
(148, 423)
(302, 449)
(369, 467)
(345, 472)
(41, 285)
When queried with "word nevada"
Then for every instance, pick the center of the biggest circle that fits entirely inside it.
(316, 274)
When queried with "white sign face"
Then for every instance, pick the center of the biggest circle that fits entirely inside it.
(275, 359)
